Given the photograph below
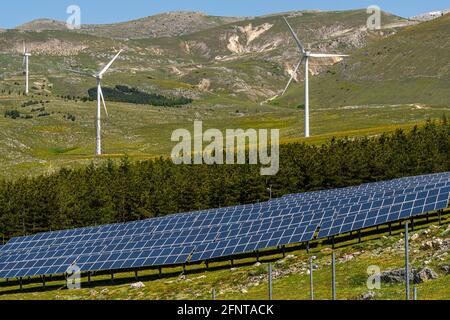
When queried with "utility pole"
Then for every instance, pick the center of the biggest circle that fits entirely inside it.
(311, 281)
(270, 281)
(407, 261)
(333, 268)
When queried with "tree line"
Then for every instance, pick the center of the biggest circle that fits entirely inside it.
(122, 191)
(126, 94)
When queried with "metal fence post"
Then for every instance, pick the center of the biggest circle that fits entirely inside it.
(311, 282)
(333, 268)
(270, 281)
(214, 294)
(407, 261)
(415, 293)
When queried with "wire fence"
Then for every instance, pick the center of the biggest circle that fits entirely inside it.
(376, 272)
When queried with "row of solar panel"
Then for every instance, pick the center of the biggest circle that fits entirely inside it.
(200, 221)
(239, 210)
(190, 235)
(9, 265)
(312, 214)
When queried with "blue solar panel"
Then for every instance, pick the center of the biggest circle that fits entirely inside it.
(215, 233)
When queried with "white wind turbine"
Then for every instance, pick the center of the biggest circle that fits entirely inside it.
(305, 55)
(100, 99)
(25, 65)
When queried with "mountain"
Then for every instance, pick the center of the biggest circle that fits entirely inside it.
(430, 15)
(246, 58)
(161, 25)
(229, 70)
(409, 67)
(42, 25)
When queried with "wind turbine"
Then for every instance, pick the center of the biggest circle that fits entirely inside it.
(305, 56)
(100, 99)
(26, 56)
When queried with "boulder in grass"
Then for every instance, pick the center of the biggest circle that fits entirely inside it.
(367, 296)
(424, 275)
(446, 269)
(394, 276)
(137, 285)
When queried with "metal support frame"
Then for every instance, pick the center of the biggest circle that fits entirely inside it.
(284, 251)
(213, 293)
(43, 281)
(257, 255)
(89, 278)
(207, 264)
(332, 242)
(20, 283)
(136, 276)
(160, 271)
(359, 236)
(407, 280)
(311, 279)
(232, 262)
(333, 275)
(270, 281)
(112, 276)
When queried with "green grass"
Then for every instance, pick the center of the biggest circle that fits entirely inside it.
(44, 144)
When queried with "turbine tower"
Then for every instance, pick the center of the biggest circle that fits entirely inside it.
(100, 100)
(305, 56)
(25, 65)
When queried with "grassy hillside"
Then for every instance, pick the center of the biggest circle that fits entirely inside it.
(247, 280)
(160, 25)
(409, 67)
(228, 70)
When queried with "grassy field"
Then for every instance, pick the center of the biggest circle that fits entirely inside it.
(247, 280)
(47, 142)
(381, 87)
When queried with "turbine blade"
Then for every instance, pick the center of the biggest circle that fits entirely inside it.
(102, 72)
(293, 76)
(103, 100)
(297, 40)
(327, 55)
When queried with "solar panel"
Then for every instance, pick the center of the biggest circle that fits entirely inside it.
(217, 233)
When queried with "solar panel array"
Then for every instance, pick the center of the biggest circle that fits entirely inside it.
(224, 232)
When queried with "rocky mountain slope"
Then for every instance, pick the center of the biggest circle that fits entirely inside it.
(243, 57)
(430, 15)
(162, 25)
(410, 67)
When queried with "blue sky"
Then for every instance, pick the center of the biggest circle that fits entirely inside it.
(13, 13)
